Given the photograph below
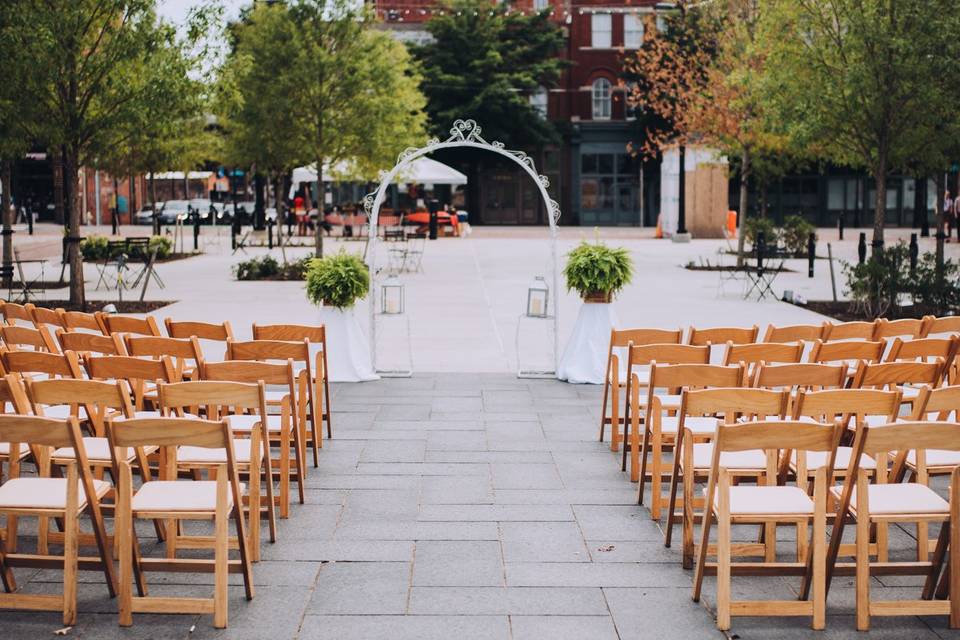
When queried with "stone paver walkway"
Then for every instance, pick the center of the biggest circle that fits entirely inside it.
(469, 507)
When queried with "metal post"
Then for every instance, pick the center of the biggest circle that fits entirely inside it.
(914, 253)
(862, 248)
(840, 223)
(761, 249)
(811, 253)
(434, 223)
(196, 230)
(270, 224)
(833, 279)
(682, 196)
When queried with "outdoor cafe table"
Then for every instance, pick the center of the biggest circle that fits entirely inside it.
(422, 219)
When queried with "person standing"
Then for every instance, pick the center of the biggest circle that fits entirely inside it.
(949, 215)
(956, 209)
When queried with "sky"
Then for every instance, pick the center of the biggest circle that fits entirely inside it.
(177, 10)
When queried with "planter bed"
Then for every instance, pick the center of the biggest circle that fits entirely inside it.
(126, 306)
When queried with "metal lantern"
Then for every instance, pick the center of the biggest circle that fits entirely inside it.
(391, 296)
(538, 295)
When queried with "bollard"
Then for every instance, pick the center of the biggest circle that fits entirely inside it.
(914, 253)
(811, 253)
(761, 249)
(862, 248)
(270, 224)
(196, 230)
(233, 236)
(840, 224)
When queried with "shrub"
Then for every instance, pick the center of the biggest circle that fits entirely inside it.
(597, 269)
(163, 245)
(876, 285)
(753, 226)
(338, 280)
(795, 232)
(95, 248)
(256, 268)
(938, 291)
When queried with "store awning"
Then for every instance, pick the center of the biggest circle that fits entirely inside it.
(420, 171)
(178, 175)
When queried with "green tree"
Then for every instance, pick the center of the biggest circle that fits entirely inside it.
(85, 82)
(356, 96)
(865, 83)
(484, 62)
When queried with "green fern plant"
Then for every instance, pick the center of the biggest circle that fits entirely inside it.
(338, 280)
(596, 270)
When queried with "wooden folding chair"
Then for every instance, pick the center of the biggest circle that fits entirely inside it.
(926, 350)
(279, 351)
(906, 377)
(793, 333)
(320, 393)
(185, 353)
(221, 400)
(172, 499)
(639, 359)
(16, 337)
(850, 352)
(717, 336)
(905, 327)
(281, 429)
(142, 374)
(700, 412)
(11, 313)
(81, 321)
(857, 330)
(86, 344)
(884, 503)
(804, 375)
(13, 400)
(616, 378)
(114, 323)
(46, 497)
(768, 504)
(661, 432)
(39, 364)
(754, 353)
(43, 317)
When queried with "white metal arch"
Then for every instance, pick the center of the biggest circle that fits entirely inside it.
(463, 134)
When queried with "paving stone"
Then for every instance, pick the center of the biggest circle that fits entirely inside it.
(543, 542)
(540, 457)
(404, 412)
(405, 627)
(424, 469)
(563, 627)
(375, 505)
(368, 588)
(418, 531)
(368, 481)
(642, 613)
(393, 451)
(451, 404)
(457, 564)
(339, 550)
(588, 574)
(455, 490)
(507, 600)
(616, 522)
(459, 440)
(495, 513)
(507, 475)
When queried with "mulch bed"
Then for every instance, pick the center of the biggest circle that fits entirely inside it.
(127, 306)
(846, 311)
(713, 267)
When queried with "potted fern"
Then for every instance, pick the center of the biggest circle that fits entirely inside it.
(335, 284)
(597, 272)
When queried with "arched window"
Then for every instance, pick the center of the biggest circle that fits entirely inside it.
(538, 100)
(601, 99)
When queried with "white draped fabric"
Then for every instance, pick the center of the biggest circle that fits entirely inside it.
(348, 354)
(585, 358)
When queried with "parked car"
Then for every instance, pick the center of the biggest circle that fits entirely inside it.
(145, 215)
(245, 209)
(173, 210)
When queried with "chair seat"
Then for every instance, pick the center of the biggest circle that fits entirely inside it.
(174, 496)
(699, 425)
(244, 423)
(935, 458)
(204, 455)
(62, 412)
(43, 493)
(817, 459)
(98, 450)
(667, 401)
(139, 415)
(5, 449)
(748, 500)
(753, 459)
(907, 498)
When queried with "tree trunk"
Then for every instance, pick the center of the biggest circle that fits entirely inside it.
(72, 211)
(880, 204)
(7, 223)
(744, 202)
(321, 201)
(153, 203)
(259, 206)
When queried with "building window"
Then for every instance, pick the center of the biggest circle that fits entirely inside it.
(601, 26)
(601, 99)
(609, 187)
(661, 23)
(538, 100)
(632, 31)
(540, 5)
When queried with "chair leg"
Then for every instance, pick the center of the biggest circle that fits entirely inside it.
(819, 550)
(723, 553)
(271, 504)
(656, 474)
(863, 556)
(123, 527)
(221, 551)
(674, 479)
(603, 410)
(954, 550)
(71, 549)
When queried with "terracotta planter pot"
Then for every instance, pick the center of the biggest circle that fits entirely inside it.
(598, 297)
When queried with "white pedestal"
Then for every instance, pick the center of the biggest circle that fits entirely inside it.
(585, 356)
(348, 348)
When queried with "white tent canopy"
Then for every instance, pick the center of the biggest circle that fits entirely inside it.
(178, 175)
(420, 171)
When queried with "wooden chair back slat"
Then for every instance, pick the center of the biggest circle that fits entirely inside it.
(241, 395)
(249, 371)
(16, 336)
(672, 376)
(885, 328)
(12, 392)
(802, 375)
(832, 403)
(65, 364)
(846, 351)
(71, 391)
(37, 430)
(299, 351)
(130, 368)
(202, 330)
(171, 432)
(11, 312)
(904, 436)
(858, 330)
(762, 403)
(923, 348)
(943, 402)
(883, 374)
(793, 333)
(113, 323)
(945, 324)
(89, 343)
(754, 353)
(154, 347)
(723, 335)
(668, 354)
(293, 332)
(773, 434)
(81, 320)
(44, 316)
(623, 337)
